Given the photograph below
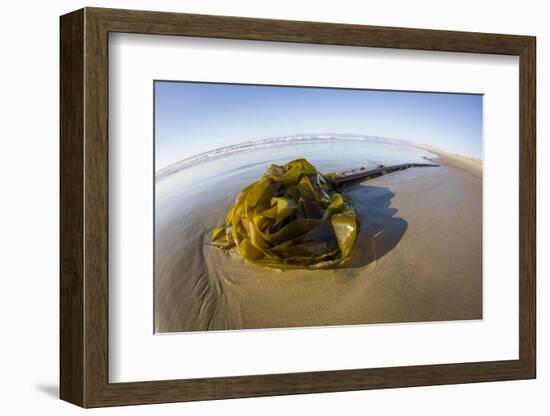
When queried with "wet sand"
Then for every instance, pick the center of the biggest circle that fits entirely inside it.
(418, 257)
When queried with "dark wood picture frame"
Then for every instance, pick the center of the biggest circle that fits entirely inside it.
(84, 207)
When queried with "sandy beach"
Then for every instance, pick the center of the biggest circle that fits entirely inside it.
(417, 258)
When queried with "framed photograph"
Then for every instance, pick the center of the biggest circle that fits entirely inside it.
(255, 207)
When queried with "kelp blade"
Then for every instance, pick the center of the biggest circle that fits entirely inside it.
(292, 217)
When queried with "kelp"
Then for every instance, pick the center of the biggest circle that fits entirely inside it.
(292, 217)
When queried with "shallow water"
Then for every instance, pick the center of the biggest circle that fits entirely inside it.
(199, 287)
(247, 166)
(235, 171)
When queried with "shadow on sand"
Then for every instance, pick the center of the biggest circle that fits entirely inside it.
(380, 231)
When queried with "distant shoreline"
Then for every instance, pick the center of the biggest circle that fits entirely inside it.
(466, 163)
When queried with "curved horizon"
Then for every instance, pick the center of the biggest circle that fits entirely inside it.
(311, 138)
(194, 117)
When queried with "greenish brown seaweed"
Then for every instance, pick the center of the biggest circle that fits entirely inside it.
(292, 217)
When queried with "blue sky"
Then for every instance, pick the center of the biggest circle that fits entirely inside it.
(192, 118)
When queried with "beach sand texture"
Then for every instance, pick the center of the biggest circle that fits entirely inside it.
(417, 258)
